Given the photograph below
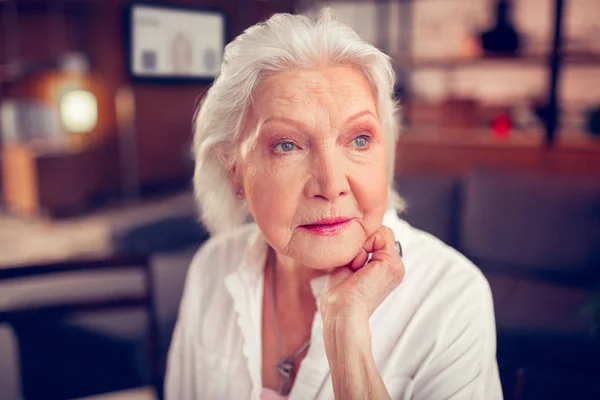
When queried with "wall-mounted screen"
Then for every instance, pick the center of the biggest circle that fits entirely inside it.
(175, 43)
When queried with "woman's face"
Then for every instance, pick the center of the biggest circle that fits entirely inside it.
(312, 164)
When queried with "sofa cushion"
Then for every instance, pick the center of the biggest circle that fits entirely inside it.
(528, 306)
(60, 361)
(546, 382)
(431, 204)
(10, 382)
(128, 328)
(534, 222)
(70, 287)
(169, 272)
(169, 234)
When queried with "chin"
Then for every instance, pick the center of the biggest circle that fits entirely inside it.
(325, 263)
(329, 263)
(324, 253)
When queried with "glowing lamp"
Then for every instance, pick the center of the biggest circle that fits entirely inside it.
(79, 111)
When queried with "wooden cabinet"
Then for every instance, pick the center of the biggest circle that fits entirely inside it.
(55, 182)
(19, 189)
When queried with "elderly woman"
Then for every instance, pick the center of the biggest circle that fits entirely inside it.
(315, 300)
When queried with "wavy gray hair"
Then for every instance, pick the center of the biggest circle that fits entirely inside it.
(283, 41)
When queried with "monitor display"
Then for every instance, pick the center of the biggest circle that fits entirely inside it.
(169, 42)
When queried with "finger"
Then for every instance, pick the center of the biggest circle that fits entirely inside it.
(374, 282)
(380, 278)
(360, 260)
(382, 244)
(373, 243)
(386, 269)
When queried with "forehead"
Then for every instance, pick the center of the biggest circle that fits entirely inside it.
(339, 91)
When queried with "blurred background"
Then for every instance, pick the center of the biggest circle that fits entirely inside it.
(499, 158)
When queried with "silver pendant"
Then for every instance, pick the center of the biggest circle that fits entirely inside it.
(285, 369)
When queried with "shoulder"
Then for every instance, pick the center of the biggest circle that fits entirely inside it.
(437, 273)
(223, 253)
(443, 309)
(218, 257)
(443, 312)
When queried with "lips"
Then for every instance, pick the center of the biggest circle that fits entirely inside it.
(328, 226)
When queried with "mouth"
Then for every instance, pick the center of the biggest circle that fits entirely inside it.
(327, 226)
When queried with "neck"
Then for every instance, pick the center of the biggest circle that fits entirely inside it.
(293, 278)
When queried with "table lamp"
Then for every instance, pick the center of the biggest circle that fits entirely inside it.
(78, 111)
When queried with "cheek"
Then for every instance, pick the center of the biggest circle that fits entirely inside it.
(370, 188)
(272, 195)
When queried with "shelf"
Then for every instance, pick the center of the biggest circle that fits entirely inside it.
(579, 59)
(519, 139)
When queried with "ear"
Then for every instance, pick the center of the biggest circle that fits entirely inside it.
(232, 174)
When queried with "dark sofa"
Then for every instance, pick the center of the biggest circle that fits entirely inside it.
(536, 238)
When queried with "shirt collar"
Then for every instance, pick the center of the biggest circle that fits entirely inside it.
(251, 267)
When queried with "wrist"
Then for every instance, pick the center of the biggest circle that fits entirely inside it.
(342, 311)
(347, 341)
(346, 330)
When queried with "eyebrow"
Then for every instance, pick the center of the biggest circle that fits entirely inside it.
(359, 115)
(298, 124)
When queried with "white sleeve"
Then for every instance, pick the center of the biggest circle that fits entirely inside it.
(463, 364)
(178, 365)
(180, 376)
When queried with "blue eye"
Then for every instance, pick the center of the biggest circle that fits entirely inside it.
(361, 141)
(285, 147)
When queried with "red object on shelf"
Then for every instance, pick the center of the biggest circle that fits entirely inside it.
(501, 126)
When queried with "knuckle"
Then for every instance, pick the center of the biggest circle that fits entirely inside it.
(387, 232)
(395, 270)
(385, 236)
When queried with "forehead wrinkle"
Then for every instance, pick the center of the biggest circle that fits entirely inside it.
(253, 123)
(314, 102)
(324, 114)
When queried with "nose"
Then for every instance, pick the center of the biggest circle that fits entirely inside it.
(328, 178)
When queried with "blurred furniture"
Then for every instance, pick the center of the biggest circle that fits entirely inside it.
(41, 301)
(52, 181)
(10, 384)
(166, 235)
(454, 152)
(536, 237)
(34, 240)
(106, 351)
(134, 394)
(27, 120)
(555, 59)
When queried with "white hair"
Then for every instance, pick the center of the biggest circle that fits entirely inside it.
(283, 41)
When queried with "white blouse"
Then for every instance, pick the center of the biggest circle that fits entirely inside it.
(432, 338)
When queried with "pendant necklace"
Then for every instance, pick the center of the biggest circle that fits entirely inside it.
(285, 367)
